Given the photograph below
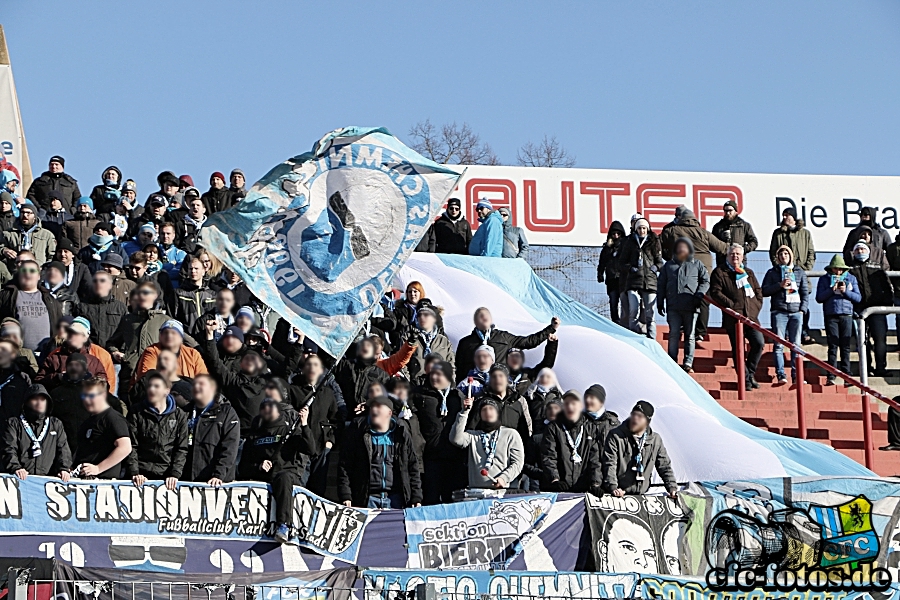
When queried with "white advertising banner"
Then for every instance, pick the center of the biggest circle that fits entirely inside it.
(575, 207)
(12, 138)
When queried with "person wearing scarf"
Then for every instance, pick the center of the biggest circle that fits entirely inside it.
(452, 232)
(428, 339)
(787, 286)
(194, 218)
(632, 452)
(602, 420)
(875, 290)
(8, 184)
(735, 286)
(34, 443)
(477, 378)
(496, 454)
(539, 394)
(145, 235)
(570, 452)
(640, 262)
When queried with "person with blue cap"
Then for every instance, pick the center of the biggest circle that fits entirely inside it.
(81, 227)
(488, 238)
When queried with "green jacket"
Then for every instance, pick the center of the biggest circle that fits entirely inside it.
(43, 242)
(799, 241)
(136, 332)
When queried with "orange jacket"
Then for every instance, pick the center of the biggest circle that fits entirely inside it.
(396, 361)
(190, 363)
(106, 360)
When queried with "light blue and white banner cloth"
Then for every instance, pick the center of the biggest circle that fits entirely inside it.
(705, 441)
(321, 236)
(481, 534)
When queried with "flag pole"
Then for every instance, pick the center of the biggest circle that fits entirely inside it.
(25, 167)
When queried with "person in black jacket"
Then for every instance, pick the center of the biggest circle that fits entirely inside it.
(354, 375)
(875, 288)
(193, 297)
(159, 435)
(214, 434)
(77, 275)
(222, 313)
(232, 281)
(102, 310)
(732, 229)
(310, 389)
(193, 220)
(521, 376)
(107, 194)
(608, 267)
(428, 241)
(55, 178)
(13, 380)
(34, 443)
(639, 265)
(603, 420)
(501, 341)
(218, 196)
(452, 232)
(53, 219)
(244, 387)
(378, 467)
(277, 451)
(437, 404)
(571, 451)
(514, 411)
(54, 281)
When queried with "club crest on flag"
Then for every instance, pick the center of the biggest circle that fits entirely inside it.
(847, 533)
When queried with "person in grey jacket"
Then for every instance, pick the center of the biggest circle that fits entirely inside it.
(496, 453)
(787, 286)
(428, 340)
(683, 282)
(515, 244)
(631, 452)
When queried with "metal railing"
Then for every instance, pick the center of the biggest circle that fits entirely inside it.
(802, 356)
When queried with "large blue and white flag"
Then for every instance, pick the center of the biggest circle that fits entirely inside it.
(320, 237)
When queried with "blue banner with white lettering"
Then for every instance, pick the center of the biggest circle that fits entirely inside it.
(481, 534)
(320, 237)
(125, 512)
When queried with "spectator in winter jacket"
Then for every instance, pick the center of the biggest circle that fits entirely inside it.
(437, 405)
(570, 452)
(488, 238)
(146, 234)
(217, 197)
(159, 435)
(876, 290)
(496, 453)
(705, 245)
(34, 443)
(428, 339)
(736, 287)
(501, 341)
(879, 239)
(893, 258)
(838, 292)
(54, 178)
(172, 255)
(539, 394)
(54, 281)
(237, 188)
(428, 243)
(171, 337)
(77, 275)
(32, 306)
(100, 245)
(9, 183)
(792, 234)
(520, 376)
(398, 320)
(732, 229)
(15, 381)
(231, 280)
(53, 219)
(112, 264)
(77, 341)
(137, 331)
(106, 195)
(639, 264)
(214, 435)
(103, 443)
(683, 282)
(601, 419)
(80, 228)
(138, 271)
(631, 452)
(354, 375)
(193, 219)
(476, 380)
(7, 216)
(222, 313)
(513, 408)
(29, 235)
(788, 288)
(312, 389)
(193, 297)
(67, 404)
(378, 467)
(515, 244)
(608, 267)
(452, 232)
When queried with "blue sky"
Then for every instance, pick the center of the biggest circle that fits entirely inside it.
(200, 86)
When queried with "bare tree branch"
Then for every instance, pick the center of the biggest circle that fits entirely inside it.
(547, 153)
(452, 144)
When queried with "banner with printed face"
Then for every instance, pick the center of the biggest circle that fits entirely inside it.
(482, 534)
(575, 207)
(838, 534)
(320, 237)
(500, 585)
(131, 515)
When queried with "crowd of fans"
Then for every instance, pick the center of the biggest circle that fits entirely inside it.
(673, 274)
(128, 352)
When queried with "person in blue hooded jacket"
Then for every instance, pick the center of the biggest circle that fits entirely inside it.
(788, 288)
(837, 292)
(159, 435)
(488, 238)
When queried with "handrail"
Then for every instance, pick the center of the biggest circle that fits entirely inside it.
(801, 355)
